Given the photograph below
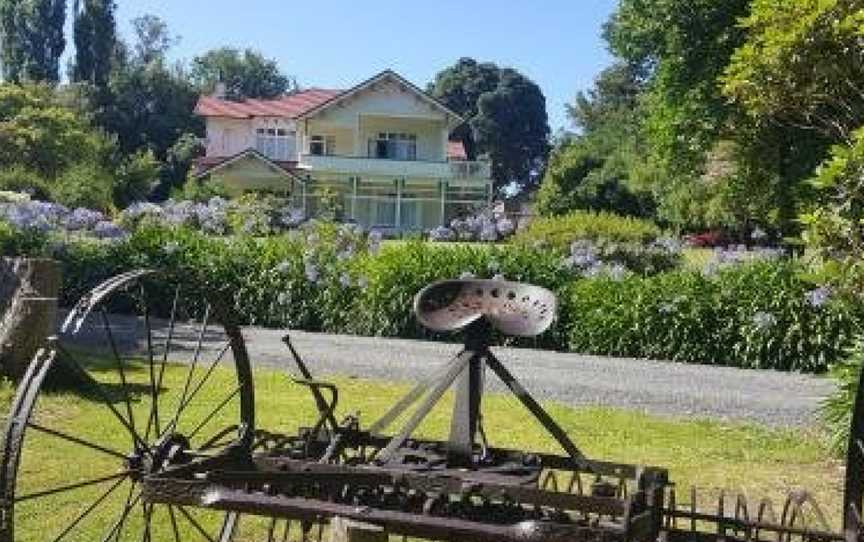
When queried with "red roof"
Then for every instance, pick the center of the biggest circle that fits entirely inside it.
(292, 105)
(456, 150)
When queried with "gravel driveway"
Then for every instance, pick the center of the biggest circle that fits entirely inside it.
(766, 397)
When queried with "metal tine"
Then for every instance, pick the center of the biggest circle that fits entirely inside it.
(693, 509)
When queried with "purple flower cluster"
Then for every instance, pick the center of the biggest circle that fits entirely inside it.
(739, 254)
(483, 227)
(46, 217)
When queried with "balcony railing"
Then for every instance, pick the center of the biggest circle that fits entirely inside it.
(396, 168)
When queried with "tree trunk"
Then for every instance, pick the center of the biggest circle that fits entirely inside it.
(28, 310)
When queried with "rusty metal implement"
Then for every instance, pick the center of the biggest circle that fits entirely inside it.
(203, 467)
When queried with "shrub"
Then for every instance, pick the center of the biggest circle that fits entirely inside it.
(84, 185)
(836, 410)
(757, 315)
(560, 232)
(18, 179)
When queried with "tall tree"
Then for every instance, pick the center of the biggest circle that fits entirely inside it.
(245, 74)
(506, 118)
(12, 40)
(95, 30)
(32, 39)
(153, 38)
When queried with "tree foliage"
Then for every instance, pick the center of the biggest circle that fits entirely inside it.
(506, 118)
(245, 74)
(95, 41)
(802, 65)
(32, 39)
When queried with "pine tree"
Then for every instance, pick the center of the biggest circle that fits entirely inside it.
(95, 41)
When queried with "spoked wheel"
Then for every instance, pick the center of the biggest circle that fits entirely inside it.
(97, 413)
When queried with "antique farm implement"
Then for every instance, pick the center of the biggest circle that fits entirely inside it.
(179, 455)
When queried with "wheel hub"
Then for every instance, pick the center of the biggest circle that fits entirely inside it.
(170, 451)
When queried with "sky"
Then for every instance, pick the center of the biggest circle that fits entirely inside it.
(339, 43)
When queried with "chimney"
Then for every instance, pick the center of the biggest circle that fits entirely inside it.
(220, 90)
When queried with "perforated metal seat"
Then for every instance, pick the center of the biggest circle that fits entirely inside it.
(513, 308)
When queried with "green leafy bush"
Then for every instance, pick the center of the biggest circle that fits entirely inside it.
(14, 242)
(836, 410)
(761, 315)
(560, 232)
(325, 277)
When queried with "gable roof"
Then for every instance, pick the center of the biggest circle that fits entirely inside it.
(383, 76)
(291, 105)
(205, 166)
(309, 102)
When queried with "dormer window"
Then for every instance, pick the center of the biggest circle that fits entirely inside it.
(322, 145)
(275, 143)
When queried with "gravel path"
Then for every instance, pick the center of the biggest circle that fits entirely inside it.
(765, 397)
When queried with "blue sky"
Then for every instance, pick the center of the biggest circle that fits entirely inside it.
(338, 43)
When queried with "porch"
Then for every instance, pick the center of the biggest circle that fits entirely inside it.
(393, 204)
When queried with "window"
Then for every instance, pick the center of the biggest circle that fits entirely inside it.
(394, 146)
(322, 145)
(275, 143)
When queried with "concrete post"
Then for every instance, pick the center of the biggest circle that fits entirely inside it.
(29, 312)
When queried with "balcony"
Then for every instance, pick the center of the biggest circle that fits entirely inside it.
(363, 166)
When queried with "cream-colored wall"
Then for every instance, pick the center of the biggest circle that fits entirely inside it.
(430, 134)
(227, 137)
(383, 108)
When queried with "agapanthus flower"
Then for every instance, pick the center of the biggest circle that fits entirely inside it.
(108, 230)
(441, 233)
(467, 275)
(345, 280)
(171, 248)
(311, 272)
(763, 320)
(283, 267)
(83, 219)
(818, 297)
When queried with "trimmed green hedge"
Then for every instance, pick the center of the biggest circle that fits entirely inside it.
(755, 315)
(560, 232)
(758, 315)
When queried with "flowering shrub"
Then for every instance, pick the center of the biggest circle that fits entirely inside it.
(756, 315)
(482, 227)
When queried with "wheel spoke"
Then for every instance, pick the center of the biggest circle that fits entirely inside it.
(102, 395)
(191, 397)
(120, 368)
(215, 411)
(76, 440)
(181, 404)
(167, 349)
(147, 512)
(153, 418)
(195, 524)
(117, 529)
(174, 528)
(88, 511)
(72, 487)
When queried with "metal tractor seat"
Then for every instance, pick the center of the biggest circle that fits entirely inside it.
(513, 308)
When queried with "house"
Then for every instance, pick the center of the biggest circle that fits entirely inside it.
(378, 154)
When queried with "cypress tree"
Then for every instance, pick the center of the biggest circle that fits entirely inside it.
(95, 32)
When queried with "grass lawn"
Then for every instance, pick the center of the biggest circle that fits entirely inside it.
(753, 460)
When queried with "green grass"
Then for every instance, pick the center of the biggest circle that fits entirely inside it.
(757, 461)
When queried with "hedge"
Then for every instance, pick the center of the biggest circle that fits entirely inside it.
(757, 315)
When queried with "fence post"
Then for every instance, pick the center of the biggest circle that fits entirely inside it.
(28, 300)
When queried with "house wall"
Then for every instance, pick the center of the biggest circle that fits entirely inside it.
(227, 137)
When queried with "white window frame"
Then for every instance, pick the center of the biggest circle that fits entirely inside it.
(273, 142)
(399, 146)
(327, 143)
